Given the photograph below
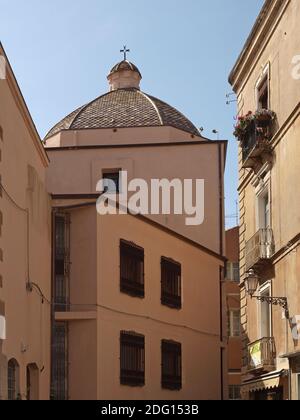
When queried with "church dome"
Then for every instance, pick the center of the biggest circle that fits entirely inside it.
(125, 106)
(125, 65)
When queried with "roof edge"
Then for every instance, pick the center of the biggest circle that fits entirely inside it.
(150, 221)
(265, 19)
(138, 145)
(22, 105)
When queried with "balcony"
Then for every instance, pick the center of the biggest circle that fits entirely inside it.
(262, 356)
(256, 144)
(260, 249)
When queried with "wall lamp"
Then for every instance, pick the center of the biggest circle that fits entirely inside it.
(251, 285)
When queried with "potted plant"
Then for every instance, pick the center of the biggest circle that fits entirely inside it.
(264, 115)
(245, 122)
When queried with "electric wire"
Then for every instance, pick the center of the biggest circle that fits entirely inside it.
(26, 211)
(90, 305)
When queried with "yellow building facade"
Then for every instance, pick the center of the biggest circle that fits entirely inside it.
(266, 80)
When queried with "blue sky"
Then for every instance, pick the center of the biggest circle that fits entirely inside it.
(62, 50)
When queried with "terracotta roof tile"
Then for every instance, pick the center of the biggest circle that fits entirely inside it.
(124, 108)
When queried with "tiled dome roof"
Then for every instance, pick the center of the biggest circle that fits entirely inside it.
(125, 65)
(124, 108)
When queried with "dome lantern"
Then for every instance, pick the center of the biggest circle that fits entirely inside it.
(124, 75)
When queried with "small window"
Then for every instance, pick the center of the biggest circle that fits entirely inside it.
(170, 283)
(234, 393)
(132, 358)
(233, 272)
(171, 365)
(111, 182)
(132, 269)
(1, 133)
(263, 93)
(235, 323)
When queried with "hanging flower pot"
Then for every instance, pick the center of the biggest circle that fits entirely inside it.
(245, 124)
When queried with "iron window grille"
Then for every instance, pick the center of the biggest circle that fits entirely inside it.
(171, 283)
(59, 374)
(132, 270)
(132, 359)
(12, 380)
(171, 365)
(62, 262)
(234, 393)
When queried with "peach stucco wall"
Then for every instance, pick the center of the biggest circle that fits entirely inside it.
(232, 292)
(99, 311)
(276, 53)
(78, 171)
(27, 318)
(196, 326)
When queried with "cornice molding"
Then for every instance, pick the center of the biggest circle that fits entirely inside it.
(259, 37)
(23, 109)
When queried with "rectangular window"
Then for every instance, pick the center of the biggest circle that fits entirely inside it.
(171, 283)
(234, 392)
(265, 315)
(132, 269)
(59, 374)
(234, 323)
(111, 181)
(171, 365)
(132, 359)
(233, 272)
(12, 380)
(62, 262)
(263, 93)
(264, 213)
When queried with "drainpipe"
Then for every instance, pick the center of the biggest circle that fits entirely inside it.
(290, 383)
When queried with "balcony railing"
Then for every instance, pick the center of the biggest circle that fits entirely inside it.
(260, 248)
(262, 355)
(256, 142)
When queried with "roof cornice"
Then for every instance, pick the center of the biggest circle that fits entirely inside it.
(259, 35)
(23, 108)
(140, 145)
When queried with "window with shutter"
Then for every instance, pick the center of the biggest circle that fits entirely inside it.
(132, 359)
(170, 283)
(132, 269)
(171, 365)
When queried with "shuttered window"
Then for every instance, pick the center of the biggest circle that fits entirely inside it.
(132, 359)
(132, 269)
(170, 283)
(171, 365)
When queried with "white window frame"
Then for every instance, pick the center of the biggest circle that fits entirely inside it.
(230, 272)
(263, 188)
(266, 72)
(231, 323)
(261, 210)
(266, 286)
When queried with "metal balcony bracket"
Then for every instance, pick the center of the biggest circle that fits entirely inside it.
(276, 301)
